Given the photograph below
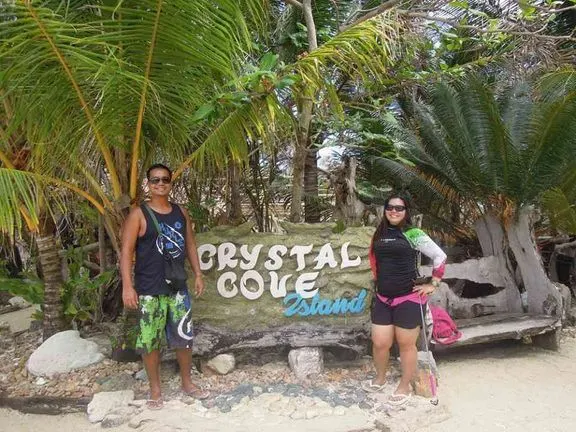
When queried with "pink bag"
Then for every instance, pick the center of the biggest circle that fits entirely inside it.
(444, 329)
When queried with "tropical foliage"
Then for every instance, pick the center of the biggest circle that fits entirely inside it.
(239, 95)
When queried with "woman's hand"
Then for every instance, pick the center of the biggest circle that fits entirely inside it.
(425, 289)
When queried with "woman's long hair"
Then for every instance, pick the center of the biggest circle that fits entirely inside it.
(406, 223)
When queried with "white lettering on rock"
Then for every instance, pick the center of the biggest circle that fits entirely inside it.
(346, 261)
(325, 256)
(301, 252)
(250, 257)
(256, 277)
(227, 291)
(210, 249)
(226, 252)
(305, 285)
(278, 288)
(275, 254)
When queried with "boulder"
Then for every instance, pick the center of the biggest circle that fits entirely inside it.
(117, 382)
(222, 364)
(19, 302)
(61, 353)
(118, 417)
(104, 343)
(306, 361)
(106, 403)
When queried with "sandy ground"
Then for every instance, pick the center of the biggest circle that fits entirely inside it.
(512, 387)
(505, 387)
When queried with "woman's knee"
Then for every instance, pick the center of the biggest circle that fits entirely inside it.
(381, 342)
(406, 339)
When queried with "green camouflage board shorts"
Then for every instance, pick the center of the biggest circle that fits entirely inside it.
(165, 316)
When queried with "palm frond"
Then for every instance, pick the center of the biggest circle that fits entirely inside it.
(562, 213)
(365, 51)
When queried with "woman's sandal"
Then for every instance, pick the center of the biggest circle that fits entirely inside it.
(197, 393)
(155, 404)
(369, 386)
(397, 399)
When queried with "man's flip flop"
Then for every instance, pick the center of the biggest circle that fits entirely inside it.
(399, 399)
(197, 393)
(369, 386)
(154, 404)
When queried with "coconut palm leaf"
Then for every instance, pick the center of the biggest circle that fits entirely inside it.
(118, 75)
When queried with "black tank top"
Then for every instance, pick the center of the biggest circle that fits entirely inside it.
(396, 267)
(149, 267)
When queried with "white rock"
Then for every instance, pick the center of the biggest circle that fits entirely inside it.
(117, 417)
(140, 419)
(306, 361)
(19, 302)
(141, 375)
(40, 381)
(197, 405)
(298, 414)
(312, 413)
(104, 343)
(319, 403)
(288, 410)
(276, 407)
(105, 403)
(61, 353)
(223, 363)
(339, 411)
(4, 328)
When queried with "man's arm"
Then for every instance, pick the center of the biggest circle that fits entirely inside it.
(130, 232)
(192, 253)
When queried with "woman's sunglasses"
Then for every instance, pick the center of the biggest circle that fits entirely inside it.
(397, 208)
(157, 180)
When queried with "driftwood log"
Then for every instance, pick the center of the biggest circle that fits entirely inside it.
(210, 340)
(45, 404)
(543, 329)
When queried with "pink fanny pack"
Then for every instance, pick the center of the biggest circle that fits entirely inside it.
(413, 297)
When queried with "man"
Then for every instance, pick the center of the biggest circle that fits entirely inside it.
(155, 229)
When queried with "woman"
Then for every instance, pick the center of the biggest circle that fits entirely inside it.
(396, 310)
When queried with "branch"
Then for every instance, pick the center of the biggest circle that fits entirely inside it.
(551, 11)
(374, 12)
(564, 246)
(456, 24)
(294, 3)
(310, 25)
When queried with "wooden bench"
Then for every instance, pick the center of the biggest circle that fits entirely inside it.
(543, 329)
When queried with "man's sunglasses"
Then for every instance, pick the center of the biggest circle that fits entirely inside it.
(397, 208)
(157, 180)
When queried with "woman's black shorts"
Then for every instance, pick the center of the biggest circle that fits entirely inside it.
(406, 315)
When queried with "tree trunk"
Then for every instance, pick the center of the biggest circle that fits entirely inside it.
(311, 198)
(306, 107)
(348, 207)
(234, 202)
(299, 160)
(493, 243)
(543, 297)
(53, 320)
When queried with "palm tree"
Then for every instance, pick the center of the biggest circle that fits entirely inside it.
(489, 154)
(93, 91)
